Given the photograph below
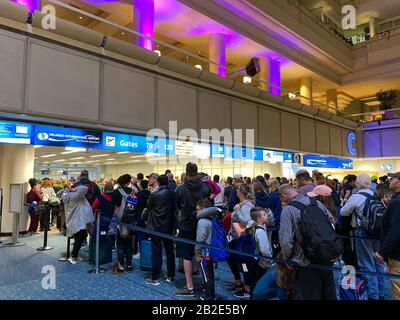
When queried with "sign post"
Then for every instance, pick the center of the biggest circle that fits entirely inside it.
(15, 207)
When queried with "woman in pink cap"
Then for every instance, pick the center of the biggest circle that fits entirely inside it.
(324, 194)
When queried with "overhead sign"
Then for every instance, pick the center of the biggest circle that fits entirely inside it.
(133, 143)
(12, 132)
(67, 137)
(319, 162)
(184, 148)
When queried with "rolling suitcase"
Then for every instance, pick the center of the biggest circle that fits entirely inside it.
(105, 250)
(145, 255)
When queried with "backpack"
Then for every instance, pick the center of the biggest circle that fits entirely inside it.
(320, 242)
(90, 193)
(246, 243)
(372, 216)
(128, 209)
(218, 239)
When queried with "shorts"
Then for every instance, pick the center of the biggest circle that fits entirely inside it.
(185, 250)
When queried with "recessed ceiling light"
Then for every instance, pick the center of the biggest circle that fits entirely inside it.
(48, 155)
(93, 161)
(122, 33)
(61, 160)
(77, 158)
(100, 155)
(80, 18)
(122, 152)
(110, 159)
(37, 146)
(75, 149)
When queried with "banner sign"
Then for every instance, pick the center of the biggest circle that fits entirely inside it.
(319, 162)
(67, 137)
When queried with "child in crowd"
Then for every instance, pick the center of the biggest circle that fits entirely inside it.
(254, 271)
(205, 211)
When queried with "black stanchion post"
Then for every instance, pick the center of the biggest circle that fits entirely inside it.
(63, 259)
(97, 270)
(46, 227)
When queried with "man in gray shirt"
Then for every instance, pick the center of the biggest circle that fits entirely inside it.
(304, 182)
(309, 284)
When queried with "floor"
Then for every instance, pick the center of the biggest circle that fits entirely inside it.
(21, 276)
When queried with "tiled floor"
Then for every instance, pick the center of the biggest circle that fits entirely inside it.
(21, 276)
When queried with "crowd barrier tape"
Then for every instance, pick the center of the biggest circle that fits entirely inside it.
(273, 260)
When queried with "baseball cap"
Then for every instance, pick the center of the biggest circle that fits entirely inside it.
(153, 175)
(394, 175)
(320, 190)
(238, 176)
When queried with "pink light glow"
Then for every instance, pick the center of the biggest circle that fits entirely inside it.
(32, 5)
(144, 22)
(275, 77)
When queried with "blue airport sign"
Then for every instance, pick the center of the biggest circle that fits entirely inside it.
(133, 143)
(320, 162)
(67, 137)
(14, 132)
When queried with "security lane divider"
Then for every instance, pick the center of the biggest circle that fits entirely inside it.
(273, 260)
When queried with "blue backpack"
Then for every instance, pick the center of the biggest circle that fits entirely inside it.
(246, 243)
(218, 239)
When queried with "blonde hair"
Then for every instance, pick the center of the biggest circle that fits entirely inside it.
(46, 183)
(246, 190)
(273, 185)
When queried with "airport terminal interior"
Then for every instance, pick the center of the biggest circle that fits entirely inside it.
(276, 95)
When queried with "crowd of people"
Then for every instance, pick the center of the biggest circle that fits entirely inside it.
(308, 220)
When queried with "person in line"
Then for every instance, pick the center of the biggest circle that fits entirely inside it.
(304, 182)
(233, 198)
(171, 182)
(267, 176)
(365, 248)
(205, 212)
(390, 248)
(142, 197)
(104, 204)
(219, 199)
(78, 215)
(124, 236)
(255, 270)
(349, 186)
(33, 195)
(324, 195)
(276, 283)
(309, 284)
(261, 198)
(274, 203)
(187, 195)
(93, 189)
(49, 195)
(240, 218)
(161, 208)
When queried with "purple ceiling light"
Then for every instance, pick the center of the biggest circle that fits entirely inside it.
(32, 5)
(144, 22)
(275, 77)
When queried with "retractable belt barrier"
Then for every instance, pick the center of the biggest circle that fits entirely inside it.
(282, 261)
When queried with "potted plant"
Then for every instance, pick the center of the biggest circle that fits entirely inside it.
(387, 100)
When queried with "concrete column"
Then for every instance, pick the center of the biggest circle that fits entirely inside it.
(373, 26)
(216, 52)
(331, 99)
(275, 77)
(306, 91)
(31, 4)
(16, 166)
(143, 22)
(263, 75)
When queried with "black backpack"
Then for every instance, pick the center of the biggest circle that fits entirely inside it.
(372, 216)
(320, 242)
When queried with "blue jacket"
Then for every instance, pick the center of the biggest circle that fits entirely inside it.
(267, 288)
(274, 203)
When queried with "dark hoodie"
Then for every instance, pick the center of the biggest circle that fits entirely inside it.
(186, 196)
(261, 199)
